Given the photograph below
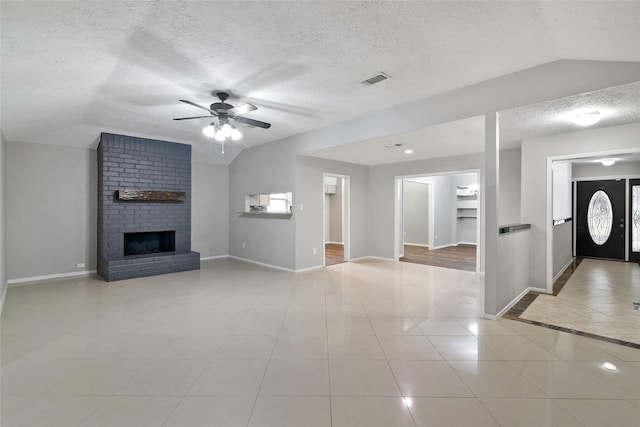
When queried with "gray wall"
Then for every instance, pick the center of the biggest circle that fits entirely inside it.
(444, 223)
(210, 209)
(509, 179)
(3, 228)
(562, 246)
(597, 170)
(267, 168)
(416, 212)
(534, 178)
(513, 267)
(51, 209)
(59, 204)
(309, 192)
(381, 196)
(335, 214)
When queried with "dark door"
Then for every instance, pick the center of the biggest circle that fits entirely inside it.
(600, 213)
(634, 220)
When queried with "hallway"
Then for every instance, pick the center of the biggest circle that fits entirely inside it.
(597, 299)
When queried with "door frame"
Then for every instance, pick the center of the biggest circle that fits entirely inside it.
(346, 215)
(398, 212)
(398, 248)
(574, 213)
(549, 221)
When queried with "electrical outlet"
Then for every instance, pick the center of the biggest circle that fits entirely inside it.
(80, 265)
(315, 251)
(242, 245)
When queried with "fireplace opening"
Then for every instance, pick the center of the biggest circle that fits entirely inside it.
(149, 242)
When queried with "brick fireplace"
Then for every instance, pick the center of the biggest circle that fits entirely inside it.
(144, 207)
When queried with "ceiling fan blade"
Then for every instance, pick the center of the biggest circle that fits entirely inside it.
(251, 122)
(197, 117)
(196, 105)
(241, 109)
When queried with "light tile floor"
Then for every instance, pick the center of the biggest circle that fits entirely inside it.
(596, 299)
(369, 343)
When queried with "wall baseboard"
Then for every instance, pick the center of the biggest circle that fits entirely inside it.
(315, 267)
(362, 258)
(26, 280)
(3, 297)
(276, 267)
(467, 243)
(444, 246)
(334, 243)
(422, 245)
(207, 258)
(513, 302)
(564, 267)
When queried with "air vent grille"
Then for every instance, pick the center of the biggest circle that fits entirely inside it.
(376, 79)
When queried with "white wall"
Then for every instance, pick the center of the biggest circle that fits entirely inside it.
(466, 229)
(509, 179)
(415, 201)
(51, 209)
(209, 209)
(535, 152)
(599, 171)
(3, 228)
(561, 189)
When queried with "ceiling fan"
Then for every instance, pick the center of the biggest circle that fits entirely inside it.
(225, 113)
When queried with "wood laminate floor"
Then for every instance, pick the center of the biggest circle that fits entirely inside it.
(461, 257)
(333, 254)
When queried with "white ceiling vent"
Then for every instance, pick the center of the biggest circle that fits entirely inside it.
(376, 79)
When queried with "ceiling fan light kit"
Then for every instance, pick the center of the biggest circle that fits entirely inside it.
(223, 129)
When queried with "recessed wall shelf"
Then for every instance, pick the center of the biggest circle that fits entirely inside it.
(467, 202)
(151, 196)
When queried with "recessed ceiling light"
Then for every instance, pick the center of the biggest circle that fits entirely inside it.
(396, 145)
(609, 366)
(587, 119)
(408, 151)
(608, 162)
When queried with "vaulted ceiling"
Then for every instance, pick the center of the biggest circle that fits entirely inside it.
(71, 70)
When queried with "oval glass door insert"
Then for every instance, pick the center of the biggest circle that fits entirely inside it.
(599, 217)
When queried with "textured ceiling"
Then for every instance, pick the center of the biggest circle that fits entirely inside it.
(617, 105)
(73, 69)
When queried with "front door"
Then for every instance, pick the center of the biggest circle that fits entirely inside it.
(634, 220)
(600, 213)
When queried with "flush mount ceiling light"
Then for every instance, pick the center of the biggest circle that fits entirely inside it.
(610, 366)
(608, 162)
(408, 151)
(587, 118)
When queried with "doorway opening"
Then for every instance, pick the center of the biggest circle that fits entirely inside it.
(437, 221)
(336, 219)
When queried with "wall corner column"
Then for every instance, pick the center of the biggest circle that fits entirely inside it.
(491, 192)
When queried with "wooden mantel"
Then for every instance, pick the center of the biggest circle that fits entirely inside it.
(151, 196)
